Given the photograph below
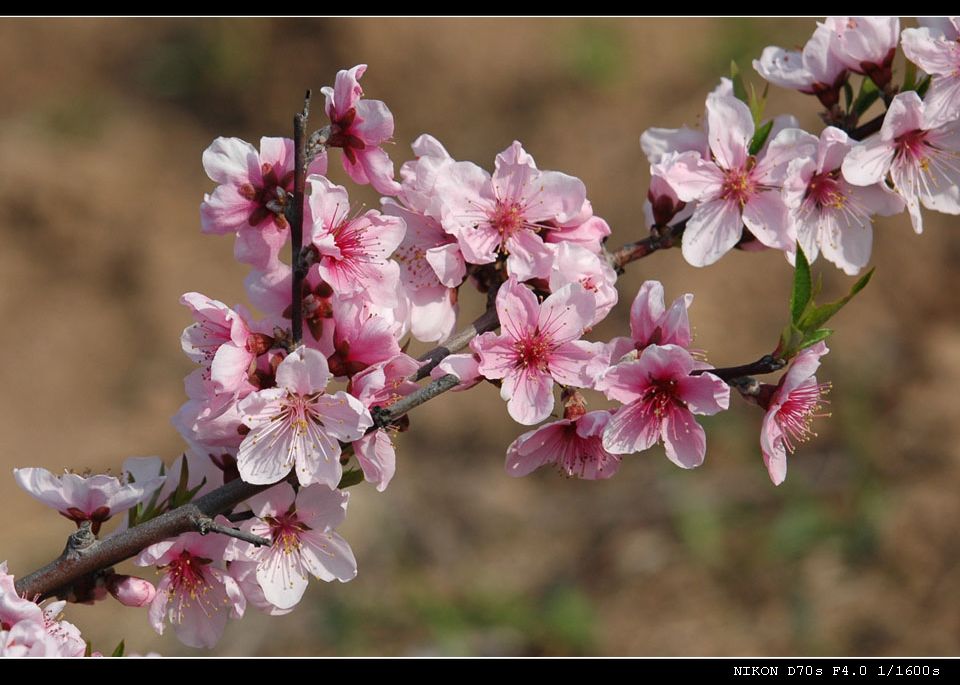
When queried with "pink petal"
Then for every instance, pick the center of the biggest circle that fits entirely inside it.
(704, 394)
(517, 309)
(630, 430)
(377, 458)
(225, 211)
(565, 313)
(646, 311)
(303, 372)
(766, 217)
(690, 176)
(328, 556)
(447, 262)
(497, 354)
(343, 415)
(529, 395)
(711, 232)
(729, 130)
(869, 162)
(578, 363)
(683, 439)
(231, 160)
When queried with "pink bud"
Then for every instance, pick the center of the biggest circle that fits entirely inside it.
(131, 591)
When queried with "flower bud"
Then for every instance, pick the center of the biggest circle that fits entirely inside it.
(130, 590)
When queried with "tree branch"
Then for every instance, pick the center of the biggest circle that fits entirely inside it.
(766, 364)
(295, 217)
(663, 239)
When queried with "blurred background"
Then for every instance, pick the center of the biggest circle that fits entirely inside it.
(103, 125)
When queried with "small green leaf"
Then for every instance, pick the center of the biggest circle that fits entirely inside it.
(847, 95)
(815, 316)
(88, 650)
(924, 85)
(802, 286)
(758, 103)
(739, 90)
(867, 96)
(350, 478)
(909, 76)
(118, 650)
(790, 340)
(760, 137)
(815, 337)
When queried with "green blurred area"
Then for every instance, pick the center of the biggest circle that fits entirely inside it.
(104, 122)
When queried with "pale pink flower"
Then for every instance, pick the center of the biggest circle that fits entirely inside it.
(816, 70)
(84, 498)
(222, 341)
(381, 385)
(353, 252)
(360, 128)
(573, 445)
(651, 323)
(195, 595)
(923, 159)
(586, 230)
(539, 345)
(866, 45)
(28, 639)
(827, 212)
(304, 543)
(14, 608)
(660, 399)
(298, 424)
(506, 213)
(210, 424)
(574, 263)
(69, 640)
(466, 367)
(662, 204)
(255, 188)
(732, 188)
(359, 340)
(791, 407)
(937, 52)
(245, 573)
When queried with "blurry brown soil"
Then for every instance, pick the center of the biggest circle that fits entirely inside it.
(103, 124)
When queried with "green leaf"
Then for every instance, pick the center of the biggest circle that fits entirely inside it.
(118, 650)
(847, 95)
(802, 287)
(88, 650)
(758, 103)
(815, 337)
(867, 96)
(790, 340)
(924, 85)
(909, 76)
(739, 90)
(350, 478)
(816, 316)
(760, 137)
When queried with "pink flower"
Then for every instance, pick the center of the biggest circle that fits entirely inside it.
(661, 398)
(78, 498)
(791, 407)
(14, 608)
(733, 187)
(195, 595)
(381, 385)
(827, 212)
(131, 591)
(653, 324)
(539, 346)
(466, 367)
(297, 424)
(573, 445)
(360, 128)
(28, 639)
(921, 157)
(252, 196)
(574, 263)
(816, 70)
(222, 342)
(585, 229)
(359, 340)
(505, 213)
(866, 45)
(937, 52)
(353, 252)
(301, 528)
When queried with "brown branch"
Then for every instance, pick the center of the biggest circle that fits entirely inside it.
(869, 128)
(766, 364)
(295, 217)
(488, 321)
(662, 239)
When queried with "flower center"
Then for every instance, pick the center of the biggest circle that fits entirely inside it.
(661, 395)
(507, 219)
(532, 352)
(738, 186)
(285, 531)
(913, 145)
(795, 416)
(271, 199)
(187, 577)
(826, 190)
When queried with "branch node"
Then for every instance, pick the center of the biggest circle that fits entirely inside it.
(206, 525)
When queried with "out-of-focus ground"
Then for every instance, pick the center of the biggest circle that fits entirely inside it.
(103, 124)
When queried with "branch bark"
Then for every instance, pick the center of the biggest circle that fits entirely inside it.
(295, 217)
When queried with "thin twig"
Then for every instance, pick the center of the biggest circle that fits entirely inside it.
(295, 218)
(766, 364)
(208, 525)
(663, 239)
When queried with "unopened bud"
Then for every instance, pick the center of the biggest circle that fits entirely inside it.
(130, 590)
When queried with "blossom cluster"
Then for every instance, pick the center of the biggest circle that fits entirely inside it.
(303, 418)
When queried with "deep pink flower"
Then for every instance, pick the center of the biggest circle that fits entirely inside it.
(298, 424)
(539, 346)
(79, 498)
(937, 52)
(827, 212)
(791, 407)
(381, 385)
(253, 193)
(195, 595)
(816, 70)
(921, 157)
(866, 45)
(353, 251)
(651, 323)
(573, 445)
(732, 188)
(360, 339)
(660, 399)
(304, 543)
(505, 213)
(360, 128)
